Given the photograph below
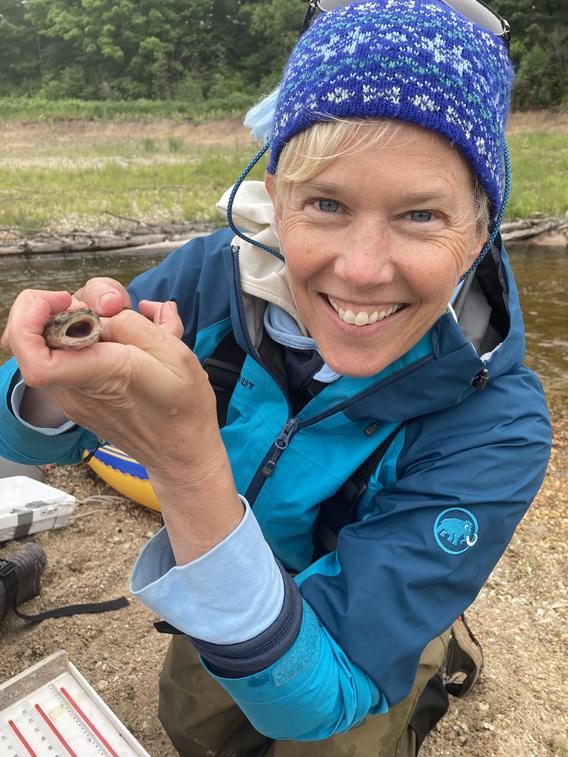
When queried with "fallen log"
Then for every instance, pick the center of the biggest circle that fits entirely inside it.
(528, 232)
(81, 241)
(146, 234)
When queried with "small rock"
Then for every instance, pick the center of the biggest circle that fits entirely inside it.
(102, 685)
(487, 726)
(483, 706)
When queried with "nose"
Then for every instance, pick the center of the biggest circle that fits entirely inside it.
(366, 259)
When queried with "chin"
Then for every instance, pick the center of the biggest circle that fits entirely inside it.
(359, 367)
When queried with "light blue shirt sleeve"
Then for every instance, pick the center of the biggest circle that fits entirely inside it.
(227, 596)
(232, 594)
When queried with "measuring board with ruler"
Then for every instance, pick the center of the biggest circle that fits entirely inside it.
(50, 710)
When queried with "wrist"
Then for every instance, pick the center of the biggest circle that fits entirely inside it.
(192, 468)
(199, 504)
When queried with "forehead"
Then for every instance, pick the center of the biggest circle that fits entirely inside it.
(411, 160)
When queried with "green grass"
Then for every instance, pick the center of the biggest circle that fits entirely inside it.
(40, 109)
(32, 198)
(72, 182)
(539, 167)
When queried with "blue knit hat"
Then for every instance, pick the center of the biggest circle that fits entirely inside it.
(413, 60)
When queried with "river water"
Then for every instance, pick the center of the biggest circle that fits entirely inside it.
(541, 272)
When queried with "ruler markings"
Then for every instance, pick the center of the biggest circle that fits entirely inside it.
(70, 712)
(91, 725)
(49, 722)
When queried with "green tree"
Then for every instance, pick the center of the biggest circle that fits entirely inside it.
(539, 50)
(20, 61)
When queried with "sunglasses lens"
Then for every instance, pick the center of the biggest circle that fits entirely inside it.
(477, 13)
(471, 9)
(329, 5)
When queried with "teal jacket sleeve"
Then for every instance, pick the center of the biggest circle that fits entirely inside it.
(311, 692)
(24, 445)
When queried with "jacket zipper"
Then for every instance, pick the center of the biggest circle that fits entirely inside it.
(280, 443)
(293, 425)
(241, 307)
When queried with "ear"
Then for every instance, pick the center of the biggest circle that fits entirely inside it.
(270, 185)
(476, 247)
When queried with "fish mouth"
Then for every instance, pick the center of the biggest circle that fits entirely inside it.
(72, 330)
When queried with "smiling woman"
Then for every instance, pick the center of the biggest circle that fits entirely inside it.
(373, 264)
(341, 479)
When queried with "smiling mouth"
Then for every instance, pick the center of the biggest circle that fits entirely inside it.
(364, 317)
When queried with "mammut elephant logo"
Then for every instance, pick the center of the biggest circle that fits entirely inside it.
(456, 530)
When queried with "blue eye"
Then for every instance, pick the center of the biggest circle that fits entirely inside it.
(328, 206)
(421, 216)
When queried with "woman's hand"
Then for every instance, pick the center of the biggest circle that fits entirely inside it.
(143, 389)
(126, 387)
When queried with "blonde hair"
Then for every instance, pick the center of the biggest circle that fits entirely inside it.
(309, 151)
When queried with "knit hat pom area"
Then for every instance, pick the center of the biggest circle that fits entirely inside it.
(414, 60)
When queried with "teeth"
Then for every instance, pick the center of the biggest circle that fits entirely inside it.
(362, 318)
(348, 316)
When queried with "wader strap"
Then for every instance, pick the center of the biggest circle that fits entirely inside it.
(340, 509)
(224, 369)
(9, 578)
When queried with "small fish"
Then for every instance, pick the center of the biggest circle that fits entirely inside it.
(72, 330)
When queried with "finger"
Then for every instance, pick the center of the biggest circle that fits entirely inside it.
(26, 341)
(132, 328)
(164, 314)
(28, 316)
(104, 296)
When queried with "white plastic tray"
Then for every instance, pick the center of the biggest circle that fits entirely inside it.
(50, 709)
(28, 506)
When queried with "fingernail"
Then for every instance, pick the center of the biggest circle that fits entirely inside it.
(106, 298)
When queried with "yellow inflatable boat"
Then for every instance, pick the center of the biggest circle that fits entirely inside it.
(125, 474)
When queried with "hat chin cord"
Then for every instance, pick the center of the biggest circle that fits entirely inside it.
(496, 225)
(234, 191)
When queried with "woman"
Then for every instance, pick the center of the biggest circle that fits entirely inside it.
(384, 319)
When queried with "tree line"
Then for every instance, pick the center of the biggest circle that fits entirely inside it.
(226, 50)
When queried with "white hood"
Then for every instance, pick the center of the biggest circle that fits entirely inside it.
(262, 275)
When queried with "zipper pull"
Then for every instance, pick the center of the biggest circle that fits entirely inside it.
(281, 442)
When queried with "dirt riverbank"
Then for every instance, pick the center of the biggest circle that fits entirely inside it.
(518, 707)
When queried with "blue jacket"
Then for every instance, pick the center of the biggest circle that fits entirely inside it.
(470, 454)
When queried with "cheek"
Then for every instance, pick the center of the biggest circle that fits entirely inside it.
(303, 260)
(437, 271)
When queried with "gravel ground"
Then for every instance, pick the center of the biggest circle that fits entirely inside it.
(517, 708)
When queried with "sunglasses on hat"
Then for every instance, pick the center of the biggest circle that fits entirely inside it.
(474, 10)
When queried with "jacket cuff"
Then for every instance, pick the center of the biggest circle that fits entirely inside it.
(252, 656)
